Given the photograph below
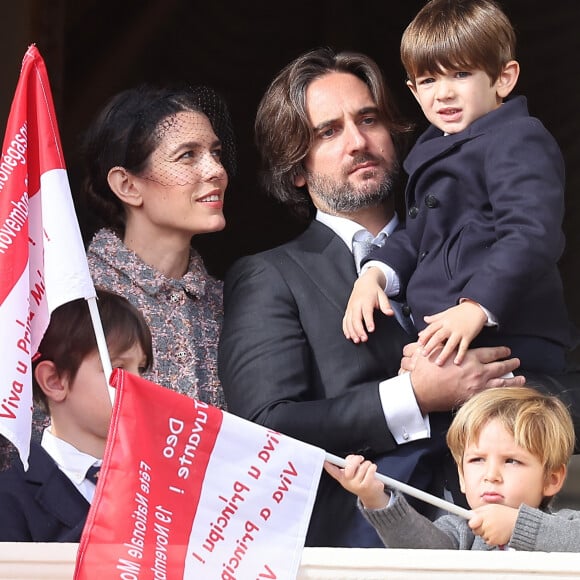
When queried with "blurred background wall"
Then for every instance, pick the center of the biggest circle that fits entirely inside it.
(94, 48)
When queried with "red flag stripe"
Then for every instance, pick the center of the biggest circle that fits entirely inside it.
(31, 147)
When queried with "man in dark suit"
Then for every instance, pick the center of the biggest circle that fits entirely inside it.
(327, 131)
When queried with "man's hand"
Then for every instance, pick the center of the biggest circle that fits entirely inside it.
(494, 523)
(367, 294)
(442, 388)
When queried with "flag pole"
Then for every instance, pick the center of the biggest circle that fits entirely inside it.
(412, 491)
(101, 344)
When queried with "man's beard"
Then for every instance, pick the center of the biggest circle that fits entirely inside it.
(342, 197)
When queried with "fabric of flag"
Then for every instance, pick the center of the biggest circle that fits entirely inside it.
(189, 491)
(42, 257)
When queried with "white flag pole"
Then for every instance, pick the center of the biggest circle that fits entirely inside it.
(412, 491)
(101, 344)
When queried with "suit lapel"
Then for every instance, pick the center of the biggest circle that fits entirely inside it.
(324, 257)
(56, 493)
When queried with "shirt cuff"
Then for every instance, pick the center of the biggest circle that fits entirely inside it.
(491, 319)
(404, 418)
(393, 285)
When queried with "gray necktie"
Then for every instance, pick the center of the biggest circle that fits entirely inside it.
(362, 245)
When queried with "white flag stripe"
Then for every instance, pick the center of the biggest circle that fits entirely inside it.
(66, 270)
(259, 489)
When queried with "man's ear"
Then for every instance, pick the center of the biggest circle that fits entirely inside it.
(554, 481)
(507, 79)
(124, 186)
(50, 381)
(300, 180)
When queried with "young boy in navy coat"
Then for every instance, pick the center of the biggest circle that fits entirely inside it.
(50, 501)
(485, 201)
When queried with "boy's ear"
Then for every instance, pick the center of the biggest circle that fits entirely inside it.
(507, 79)
(554, 481)
(124, 186)
(461, 481)
(413, 89)
(49, 380)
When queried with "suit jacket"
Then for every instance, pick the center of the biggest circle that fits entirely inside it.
(41, 504)
(485, 210)
(284, 363)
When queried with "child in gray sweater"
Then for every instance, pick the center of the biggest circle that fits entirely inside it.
(512, 446)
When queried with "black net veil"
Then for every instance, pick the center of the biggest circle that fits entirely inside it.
(188, 126)
(215, 109)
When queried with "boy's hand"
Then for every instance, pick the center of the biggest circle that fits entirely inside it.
(494, 523)
(358, 477)
(367, 294)
(455, 328)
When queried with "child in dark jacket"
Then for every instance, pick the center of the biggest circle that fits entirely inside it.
(50, 501)
(485, 201)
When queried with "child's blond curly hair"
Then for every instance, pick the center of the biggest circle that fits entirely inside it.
(539, 423)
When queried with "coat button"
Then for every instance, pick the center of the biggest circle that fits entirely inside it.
(422, 255)
(413, 211)
(406, 310)
(431, 201)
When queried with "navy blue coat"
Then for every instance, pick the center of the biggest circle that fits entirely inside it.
(485, 209)
(41, 504)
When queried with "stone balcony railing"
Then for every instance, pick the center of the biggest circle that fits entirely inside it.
(19, 561)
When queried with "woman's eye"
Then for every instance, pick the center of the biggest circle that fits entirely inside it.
(187, 155)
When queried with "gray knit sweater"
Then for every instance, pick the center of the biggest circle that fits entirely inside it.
(400, 526)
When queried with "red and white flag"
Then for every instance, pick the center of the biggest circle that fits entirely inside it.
(42, 257)
(189, 491)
